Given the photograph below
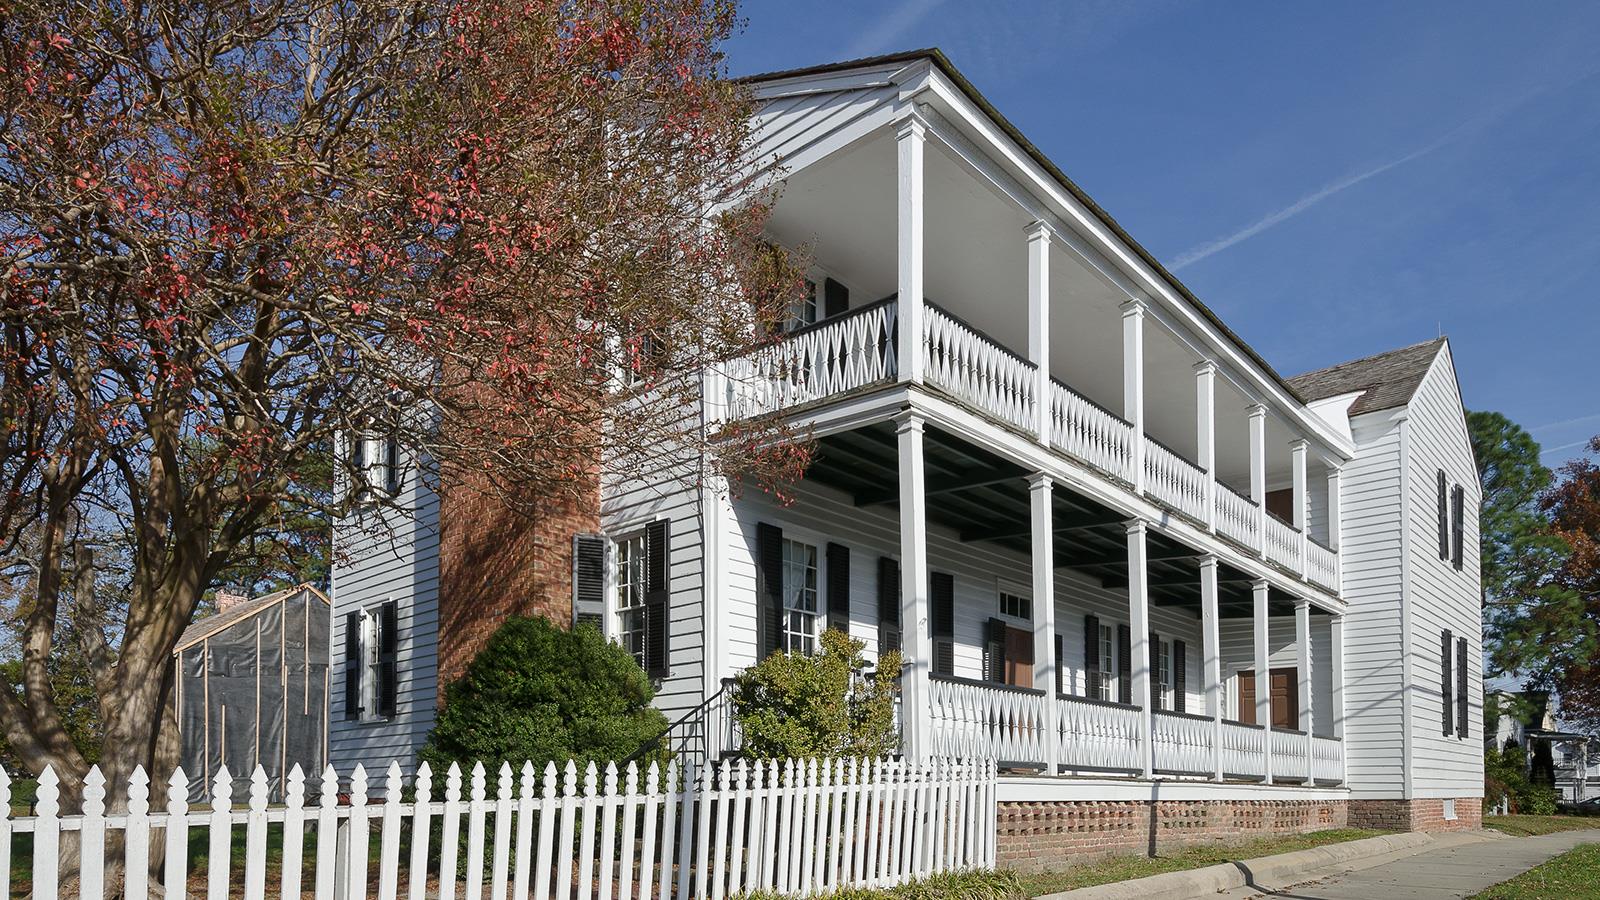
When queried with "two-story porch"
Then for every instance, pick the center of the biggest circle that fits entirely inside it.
(1085, 511)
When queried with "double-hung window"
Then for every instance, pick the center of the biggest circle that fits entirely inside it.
(371, 673)
(1164, 674)
(630, 602)
(800, 605)
(1108, 663)
(802, 310)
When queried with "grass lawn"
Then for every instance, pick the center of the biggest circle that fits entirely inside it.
(1570, 876)
(1121, 868)
(1526, 826)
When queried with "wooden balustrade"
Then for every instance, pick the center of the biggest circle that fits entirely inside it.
(1282, 545)
(1008, 722)
(1098, 736)
(1089, 433)
(1182, 743)
(966, 364)
(1174, 481)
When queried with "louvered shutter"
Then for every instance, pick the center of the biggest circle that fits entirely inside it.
(1091, 656)
(391, 464)
(1124, 664)
(1447, 681)
(1155, 671)
(888, 605)
(1458, 525)
(352, 666)
(1444, 516)
(942, 597)
(1061, 669)
(589, 579)
(835, 298)
(1180, 676)
(839, 587)
(994, 651)
(769, 586)
(657, 598)
(388, 658)
(1461, 687)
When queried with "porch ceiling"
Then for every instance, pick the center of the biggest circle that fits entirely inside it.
(985, 498)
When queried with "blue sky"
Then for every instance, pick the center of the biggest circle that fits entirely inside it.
(1334, 179)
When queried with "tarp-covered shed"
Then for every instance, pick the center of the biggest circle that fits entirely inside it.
(252, 689)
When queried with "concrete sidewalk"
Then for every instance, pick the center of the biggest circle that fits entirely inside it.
(1456, 867)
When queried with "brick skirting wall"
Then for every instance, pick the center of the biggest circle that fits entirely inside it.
(1416, 815)
(1047, 835)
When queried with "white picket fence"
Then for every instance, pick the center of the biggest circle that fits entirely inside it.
(795, 827)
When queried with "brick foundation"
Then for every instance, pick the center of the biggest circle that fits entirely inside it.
(1046, 835)
(1416, 815)
(495, 563)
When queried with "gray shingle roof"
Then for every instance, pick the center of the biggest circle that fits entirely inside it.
(204, 628)
(1387, 380)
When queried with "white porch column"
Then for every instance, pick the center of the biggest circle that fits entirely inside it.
(1258, 471)
(1297, 462)
(916, 650)
(1302, 641)
(1205, 404)
(1039, 325)
(1133, 382)
(1334, 512)
(1044, 615)
(1211, 658)
(1139, 639)
(1263, 673)
(1336, 671)
(909, 139)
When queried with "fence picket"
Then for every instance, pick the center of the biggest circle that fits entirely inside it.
(294, 815)
(564, 846)
(477, 810)
(547, 834)
(327, 835)
(630, 811)
(669, 810)
(719, 807)
(525, 804)
(585, 886)
(686, 808)
(255, 838)
(608, 829)
(356, 839)
(500, 870)
(647, 840)
(389, 842)
(175, 873)
(221, 835)
(737, 828)
(421, 831)
(5, 831)
(702, 818)
(46, 834)
(92, 836)
(450, 834)
(788, 849)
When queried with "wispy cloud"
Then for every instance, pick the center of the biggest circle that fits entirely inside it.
(1476, 123)
(878, 37)
(1299, 206)
(1565, 423)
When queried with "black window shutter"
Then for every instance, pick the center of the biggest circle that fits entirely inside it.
(769, 586)
(589, 580)
(352, 666)
(1061, 669)
(1091, 656)
(388, 658)
(888, 605)
(1444, 518)
(1458, 525)
(1446, 681)
(1180, 676)
(942, 594)
(1461, 687)
(657, 594)
(1124, 664)
(835, 298)
(391, 463)
(994, 651)
(1155, 670)
(839, 587)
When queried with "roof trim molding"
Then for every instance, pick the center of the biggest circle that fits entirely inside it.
(210, 625)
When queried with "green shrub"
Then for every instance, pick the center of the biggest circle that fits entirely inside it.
(1505, 776)
(792, 705)
(540, 693)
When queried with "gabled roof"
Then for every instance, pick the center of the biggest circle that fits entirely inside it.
(942, 62)
(206, 627)
(1385, 381)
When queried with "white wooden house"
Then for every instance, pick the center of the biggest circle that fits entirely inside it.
(1086, 511)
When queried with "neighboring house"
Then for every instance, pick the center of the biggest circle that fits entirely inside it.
(1554, 756)
(1109, 538)
(252, 690)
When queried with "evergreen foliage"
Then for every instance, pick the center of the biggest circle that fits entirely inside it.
(793, 705)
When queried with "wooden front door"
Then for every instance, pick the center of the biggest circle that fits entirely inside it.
(1019, 657)
(1285, 697)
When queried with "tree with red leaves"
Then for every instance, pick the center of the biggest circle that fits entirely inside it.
(1574, 509)
(504, 234)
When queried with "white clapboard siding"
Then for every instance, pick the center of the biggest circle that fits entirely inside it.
(796, 827)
